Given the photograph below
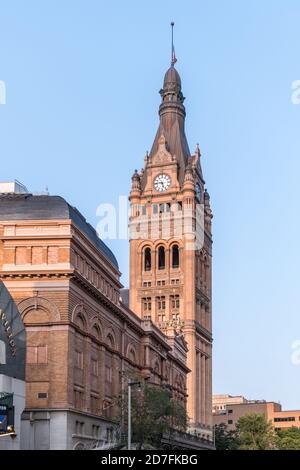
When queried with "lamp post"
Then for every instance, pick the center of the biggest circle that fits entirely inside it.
(130, 384)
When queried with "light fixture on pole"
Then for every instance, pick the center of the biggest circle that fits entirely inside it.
(130, 384)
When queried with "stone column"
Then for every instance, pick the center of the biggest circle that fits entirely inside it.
(199, 381)
(168, 308)
(115, 363)
(87, 373)
(102, 375)
(209, 392)
(203, 389)
(193, 392)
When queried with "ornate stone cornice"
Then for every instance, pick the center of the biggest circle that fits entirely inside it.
(34, 275)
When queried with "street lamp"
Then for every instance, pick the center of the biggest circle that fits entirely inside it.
(130, 384)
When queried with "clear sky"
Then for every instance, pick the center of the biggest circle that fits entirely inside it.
(82, 81)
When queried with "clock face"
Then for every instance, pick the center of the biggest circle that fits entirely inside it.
(162, 182)
(198, 192)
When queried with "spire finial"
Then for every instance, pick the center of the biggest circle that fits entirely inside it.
(173, 55)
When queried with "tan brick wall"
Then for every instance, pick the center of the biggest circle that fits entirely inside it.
(59, 315)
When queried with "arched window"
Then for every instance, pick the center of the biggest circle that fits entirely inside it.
(96, 331)
(161, 258)
(110, 341)
(132, 355)
(175, 256)
(147, 259)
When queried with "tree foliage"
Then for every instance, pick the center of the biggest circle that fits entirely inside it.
(254, 432)
(153, 413)
(225, 439)
(288, 439)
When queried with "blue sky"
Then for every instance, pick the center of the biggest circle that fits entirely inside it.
(82, 81)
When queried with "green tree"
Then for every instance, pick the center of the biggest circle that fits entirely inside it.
(254, 432)
(225, 439)
(288, 439)
(153, 413)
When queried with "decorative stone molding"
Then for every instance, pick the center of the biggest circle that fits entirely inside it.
(110, 338)
(96, 324)
(79, 312)
(131, 351)
(39, 303)
(162, 155)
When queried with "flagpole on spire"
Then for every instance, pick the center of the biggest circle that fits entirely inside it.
(173, 56)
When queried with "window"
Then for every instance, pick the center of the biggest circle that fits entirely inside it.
(155, 208)
(96, 431)
(135, 210)
(175, 256)
(109, 434)
(175, 316)
(95, 370)
(161, 308)
(161, 257)
(147, 284)
(78, 395)
(174, 282)
(161, 316)
(188, 203)
(79, 359)
(132, 356)
(36, 355)
(230, 411)
(161, 302)
(95, 404)
(230, 421)
(281, 420)
(144, 210)
(147, 259)
(108, 375)
(146, 304)
(161, 283)
(175, 302)
(79, 427)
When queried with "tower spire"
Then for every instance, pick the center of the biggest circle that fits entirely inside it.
(173, 55)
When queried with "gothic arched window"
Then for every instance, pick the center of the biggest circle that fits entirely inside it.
(147, 259)
(161, 258)
(175, 256)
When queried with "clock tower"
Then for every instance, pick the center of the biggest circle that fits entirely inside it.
(171, 248)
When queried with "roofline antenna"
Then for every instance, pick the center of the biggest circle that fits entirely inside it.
(173, 55)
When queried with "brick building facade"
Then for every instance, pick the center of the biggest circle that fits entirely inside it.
(228, 409)
(81, 339)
